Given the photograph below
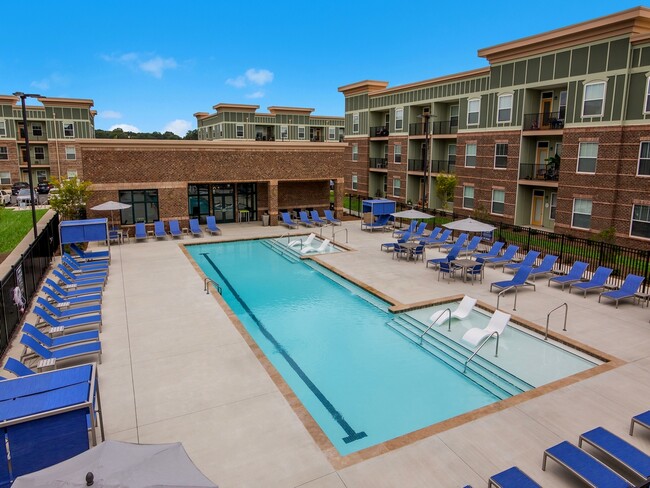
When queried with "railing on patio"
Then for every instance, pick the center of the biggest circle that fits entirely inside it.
(379, 131)
(416, 165)
(379, 163)
(443, 166)
(435, 128)
(533, 171)
(544, 121)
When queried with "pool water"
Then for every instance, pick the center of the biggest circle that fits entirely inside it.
(337, 347)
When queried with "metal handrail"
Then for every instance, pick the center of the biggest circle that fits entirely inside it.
(340, 230)
(566, 313)
(496, 352)
(326, 225)
(502, 292)
(434, 323)
(216, 285)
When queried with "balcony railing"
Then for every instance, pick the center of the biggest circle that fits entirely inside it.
(443, 166)
(379, 163)
(532, 171)
(545, 121)
(379, 131)
(442, 127)
(416, 165)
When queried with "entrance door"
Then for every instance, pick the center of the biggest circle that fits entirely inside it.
(540, 159)
(198, 202)
(223, 202)
(537, 214)
(545, 109)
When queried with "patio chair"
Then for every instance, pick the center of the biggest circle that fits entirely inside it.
(410, 230)
(418, 252)
(159, 229)
(66, 314)
(71, 301)
(597, 281)
(589, 469)
(81, 278)
(76, 351)
(433, 234)
(309, 249)
(286, 220)
(75, 267)
(330, 217)
(493, 252)
(512, 478)
(529, 260)
(419, 232)
(643, 419)
(497, 323)
(299, 242)
(573, 276)
(446, 267)
(435, 262)
(380, 223)
(508, 255)
(316, 218)
(140, 231)
(80, 263)
(440, 240)
(18, 368)
(389, 246)
(619, 450)
(471, 246)
(474, 271)
(399, 250)
(462, 311)
(66, 294)
(304, 219)
(85, 322)
(518, 280)
(195, 228)
(79, 284)
(175, 228)
(211, 225)
(90, 255)
(628, 289)
(545, 267)
(60, 341)
(460, 242)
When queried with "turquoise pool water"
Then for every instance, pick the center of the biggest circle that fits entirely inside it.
(337, 347)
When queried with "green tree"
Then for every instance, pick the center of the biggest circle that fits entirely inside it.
(70, 198)
(445, 187)
(192, 135)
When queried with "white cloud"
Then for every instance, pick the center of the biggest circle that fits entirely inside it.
(252, 76)
(50, 80)
(109, 114)
(154, 66)
(178, 127)
(41, 85)
(125, 127)
(257, 94)
(239, 82)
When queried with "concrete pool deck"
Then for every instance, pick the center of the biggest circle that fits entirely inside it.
(176, 368)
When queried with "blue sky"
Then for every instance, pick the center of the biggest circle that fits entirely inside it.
(152, 65)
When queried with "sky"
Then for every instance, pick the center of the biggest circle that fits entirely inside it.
(150, 65)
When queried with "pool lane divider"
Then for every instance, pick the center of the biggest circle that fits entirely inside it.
(352, 435)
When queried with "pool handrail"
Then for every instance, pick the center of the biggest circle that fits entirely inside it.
(434, 323)
(496, 352)
(206, 283)
(548, 315)
(503, 292)
(334, 234)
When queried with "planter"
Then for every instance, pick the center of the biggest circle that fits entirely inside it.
(265, 219)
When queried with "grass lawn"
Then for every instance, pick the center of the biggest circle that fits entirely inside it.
(14, 226)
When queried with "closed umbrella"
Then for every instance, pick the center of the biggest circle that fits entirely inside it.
(110, 206)
(469, 225)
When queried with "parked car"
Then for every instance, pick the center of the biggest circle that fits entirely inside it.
(54, 191)
(5, 197)
(25, 196)
(43, 187)
(19, 185)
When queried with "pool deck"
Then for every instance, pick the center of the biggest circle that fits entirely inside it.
(176, 368)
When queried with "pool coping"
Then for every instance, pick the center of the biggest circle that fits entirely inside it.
(318, 435)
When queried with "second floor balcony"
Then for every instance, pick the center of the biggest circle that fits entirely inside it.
(416, 165)
(435, 127)
(378, 163)
(544, 121)
(379, 131)
(539, 172)
(443, 166)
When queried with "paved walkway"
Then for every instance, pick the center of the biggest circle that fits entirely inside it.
(176, 369)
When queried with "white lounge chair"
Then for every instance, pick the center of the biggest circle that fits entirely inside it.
(308, 241)
(309, 249)
(497, 324)
(462, 311)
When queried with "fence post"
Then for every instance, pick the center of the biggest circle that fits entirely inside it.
(645, 273)
(600, 253)
(528, 240)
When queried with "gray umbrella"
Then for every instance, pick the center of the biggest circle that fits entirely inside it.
(411, 214)
(469, 225)
(117, 464)
(111, 205)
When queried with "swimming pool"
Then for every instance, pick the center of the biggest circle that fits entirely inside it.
(338, 349)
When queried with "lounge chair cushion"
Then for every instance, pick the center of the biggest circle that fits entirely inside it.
(513, 478)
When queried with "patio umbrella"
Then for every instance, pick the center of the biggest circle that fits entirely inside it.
(411, 214)
(469, 225)
(115, 464)
(111, 205)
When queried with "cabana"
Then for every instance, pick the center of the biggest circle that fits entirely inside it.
(89, 230)
(379, 213)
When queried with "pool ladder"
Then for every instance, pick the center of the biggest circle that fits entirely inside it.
(496, 352)
(502, 292)
(433, 323)
(548, 316)
(206, 286)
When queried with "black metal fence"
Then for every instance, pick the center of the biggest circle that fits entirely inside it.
(26, 274)
(568, 249)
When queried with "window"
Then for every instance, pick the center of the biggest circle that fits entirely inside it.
(220, 129)
(553, 209)
(504, 112)
(640, 221)
(68, 129)
(399, 119)
(473, 108)
(397, 187)
(644, 159)
(70, 152)
(355, 182)
(5, 178)
(4, 154)
(355, 123)
(37, 130)
(144, 206)
(332, 133)
(41, 175)
(501, 155)
(470, 155)
(498, 201)
(581, 213)
(239, 130)
(593, 99)
(562, 108)
(301, 133)
(453, 116)
(451, 157)
(355, 152)
(284, 132)
(647, 97)
(468, 197)
(72, 173)
(3, 129)
(587, 155)
(39, 153)
(398, 153)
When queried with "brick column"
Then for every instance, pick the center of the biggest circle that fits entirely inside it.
(273, 202)
(339, 193)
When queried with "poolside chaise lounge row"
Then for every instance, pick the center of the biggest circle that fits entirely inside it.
(159, 231)
(309, 222)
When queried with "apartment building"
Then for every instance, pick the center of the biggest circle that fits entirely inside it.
(554, 133)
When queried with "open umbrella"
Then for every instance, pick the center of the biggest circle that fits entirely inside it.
(115, 464)
(469, 225)
(111, 205)
(411, 214)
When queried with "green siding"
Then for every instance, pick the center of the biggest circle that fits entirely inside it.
(520, 73)
(645, 56)
(609, 99)
(579, 61)
(548, 64)
(495, 77)
(574, 99)
(532, 74)
(507, 73)
(617, 102)
(562, 60)
(618, 53)
(598, 57)
(636, 56)
(636, 96)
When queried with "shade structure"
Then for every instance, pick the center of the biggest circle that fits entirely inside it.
(411, 214)
(110, 206)
(118, 464)
(469, 225)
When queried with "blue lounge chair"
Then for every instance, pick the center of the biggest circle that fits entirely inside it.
(66, 294)
(460, 242)
(195, 228)
(87, 265)
(399, 250)
(411, 229)
(597, 281)
(584, 466)
(159, 229)
(643, 419)
(433, 234)
(517, 281)
(91, 255)
(619, 450)
(389, 246)
(419, 232)
(440, 240)
(140, 231)
(71, 352)
(545, 267)
(175, 228)
(286, 220)
(80, 279)
(453, 254)
(492, 253)
(61, 341)
(211, 225)
(18, 368)
(380, 223)
(68, 313)
(316, 218)
(85, 322)
(471, 246)
(529, 260)
(304, 219)
(507, 256)
(77, 268)
(330, 217)
(512, 478)
(628, 289)
(80, 284)
(71, 301)
(573, 276)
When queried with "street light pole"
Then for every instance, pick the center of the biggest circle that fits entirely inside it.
(23, 96)
(425, 199)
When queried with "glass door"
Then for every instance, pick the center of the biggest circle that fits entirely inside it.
(198, 197)
(223, 202)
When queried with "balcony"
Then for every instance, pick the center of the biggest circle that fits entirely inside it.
(533, 171)
(436, 128)
(443, 166)
(416, 165)
(379, 131)
(378, 163)
(544, 121)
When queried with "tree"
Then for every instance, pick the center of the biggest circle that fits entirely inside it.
(192, 135)
(70, 198)
(445, 187)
